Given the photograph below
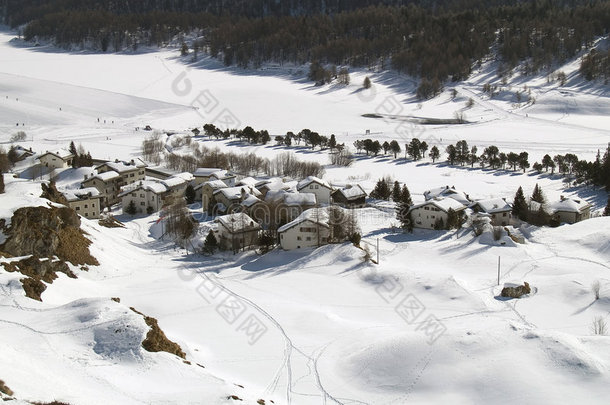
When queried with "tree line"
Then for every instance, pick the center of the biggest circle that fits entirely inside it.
(433, 40)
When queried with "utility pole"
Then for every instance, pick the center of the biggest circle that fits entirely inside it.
(377, 251)
(498, 270)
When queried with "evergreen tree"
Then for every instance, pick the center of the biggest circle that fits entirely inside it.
(190, 194)
(210, 245)
(184, 49)
(434, 154)
(395, 148)
(382, 190)
(520, 205)
(367, 83)
(451, 153)
(537, 195)
(131, 208)
(72, 148)
(332, 142)
(405, 196)
(454, 219)
(403, 207)
(606, 210)
(396, 192)
(386, 147)
(266, 240)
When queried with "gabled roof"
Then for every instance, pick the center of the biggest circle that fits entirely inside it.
(250, 200)
(493, 205)
(569, 205)
(81, 194)
(185, 175)
(173, 182)
(106, 176)
(234, 193)
(222, 175)
(205, 171)
(312, 179)
(215, 184)
(444, 204)
(146, 185)
(239, 222)
(351, 192)
(122, 167)
(299, 199)
(63, 154)
(248, 181)
(317, 216)
(449, 192)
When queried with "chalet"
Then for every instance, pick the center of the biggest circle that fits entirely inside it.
(498, 210)
(310, 229)
(272, 184)
(570, 210)
(108, 184)
(176, 186)
(350, 196)
(230, 198)
(431, 214)
(317, 186)
(60, 159)
(85, 201)
(22, 153)
(447, 192)
(147, 196)
(237, 231)
(206, 190)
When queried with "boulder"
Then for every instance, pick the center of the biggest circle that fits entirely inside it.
(516, 292)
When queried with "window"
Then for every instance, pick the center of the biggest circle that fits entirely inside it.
(504, 214)
(131, 175)
(308, 238)
(77, 208)
(142, 203)
(299, 238)
(92, 205)
(427, 208)
(86, 214)
(317, 187)
(86, 206)
(141, 195)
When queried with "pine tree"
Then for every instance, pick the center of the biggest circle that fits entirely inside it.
(190, 194)
(607, 209)
(537, 195)
(434, 154)
(131, 208)
(210, 245)
(367, 83)
(403, 207)
(72, 149)
(520, 205)
(382, 190)
(396, 192)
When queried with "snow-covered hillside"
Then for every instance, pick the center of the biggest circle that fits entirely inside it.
(426, 325)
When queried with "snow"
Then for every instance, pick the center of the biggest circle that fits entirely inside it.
(77, 194)
(299, 199)
(352, 192)
(335, 329)
(444, 204)
(493, 205)
(149, 185)
(315, 215)
(312, 179)
(568, 205)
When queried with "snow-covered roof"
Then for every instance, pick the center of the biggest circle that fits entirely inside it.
(81, 193)
(234, 193)
(60, 153)
(248, 181)
(185, 175)
(215, 184)
(569, 205)
(173, 182)
(352, 192)
(447, 191)
(146, 185)
(239, 222)
(318, 216)
(312, 179)
(493, 205)
(443, 204)
(205, 171)
(299, 199)
(106, 176)
(250, 200)
(122, 167)
(222, 174)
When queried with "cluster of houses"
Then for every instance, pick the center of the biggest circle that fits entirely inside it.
(243, 208)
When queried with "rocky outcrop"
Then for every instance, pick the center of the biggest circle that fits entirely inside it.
(156, 341)
(516, 292)
(48, 232)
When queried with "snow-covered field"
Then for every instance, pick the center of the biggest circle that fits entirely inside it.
(329, 329)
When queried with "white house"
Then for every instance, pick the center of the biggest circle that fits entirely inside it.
(429, 214)
(59, 159)
(130, 172)
(447, 192)
(107, 183)
(317, 186)
(570, 210)
(310, 229)
(237, 231)
(85, 201)
(499, 211)
(147, 196)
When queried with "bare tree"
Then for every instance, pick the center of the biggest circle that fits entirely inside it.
(598, 327)
(596, 287)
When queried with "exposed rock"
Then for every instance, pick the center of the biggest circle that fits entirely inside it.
(39, 269)
(516, 292)
(48, 232)
(33, 288)
(51, 193)
(5, 390)
(156, 341)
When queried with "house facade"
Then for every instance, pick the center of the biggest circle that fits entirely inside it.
(204, 174)
(147, 196)
(207, 190)
(317, 186)
(129, 172)
(432, 213)
(60, 159)
(237, 232)
(310, 229)
(107, 184)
